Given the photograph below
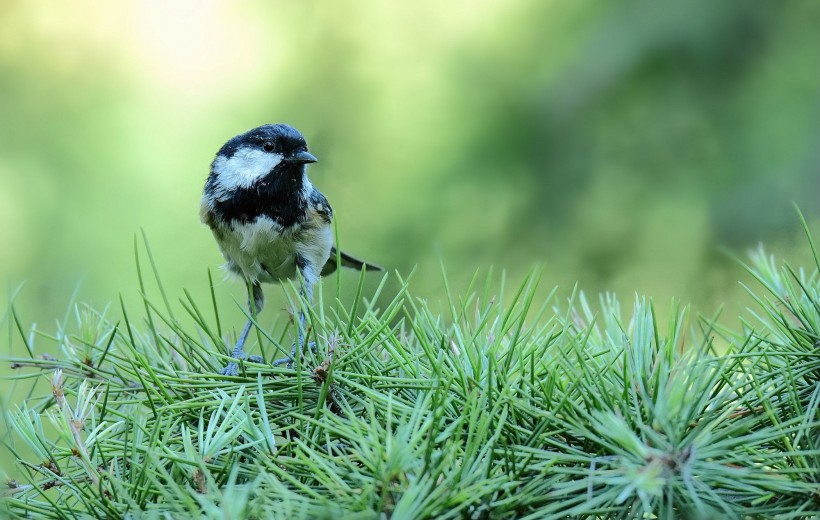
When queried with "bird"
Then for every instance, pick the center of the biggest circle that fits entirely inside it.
(270, 222)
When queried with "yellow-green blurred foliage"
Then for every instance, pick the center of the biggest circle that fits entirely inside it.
(621, 144)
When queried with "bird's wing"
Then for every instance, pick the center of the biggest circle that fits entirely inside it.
(348, 261)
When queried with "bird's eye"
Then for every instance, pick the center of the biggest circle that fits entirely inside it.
(267, 146)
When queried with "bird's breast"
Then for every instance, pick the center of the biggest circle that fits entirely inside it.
(263, 250)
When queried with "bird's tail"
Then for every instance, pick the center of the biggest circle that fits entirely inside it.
(351, 262)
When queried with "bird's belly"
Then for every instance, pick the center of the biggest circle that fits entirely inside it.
(263, 251)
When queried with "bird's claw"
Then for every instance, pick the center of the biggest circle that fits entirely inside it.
(288, 361)
(232, 368)
(284, 361)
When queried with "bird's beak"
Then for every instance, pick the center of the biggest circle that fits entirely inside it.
(302, 157)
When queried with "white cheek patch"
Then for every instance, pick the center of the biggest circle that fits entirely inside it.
(244, 167)
(307, 187)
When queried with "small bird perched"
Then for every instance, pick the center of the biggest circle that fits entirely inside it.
(269, 221)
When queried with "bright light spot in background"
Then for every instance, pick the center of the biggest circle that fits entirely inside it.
(201, 46)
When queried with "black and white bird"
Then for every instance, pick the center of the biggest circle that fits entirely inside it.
(269, 220)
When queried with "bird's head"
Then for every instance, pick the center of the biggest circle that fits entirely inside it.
(266, 155)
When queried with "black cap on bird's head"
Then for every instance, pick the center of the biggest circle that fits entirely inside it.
(279, 139)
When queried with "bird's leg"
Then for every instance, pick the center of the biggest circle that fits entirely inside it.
(306, 293)
(256, 299)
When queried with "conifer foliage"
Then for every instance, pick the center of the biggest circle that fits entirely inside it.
(493, 408)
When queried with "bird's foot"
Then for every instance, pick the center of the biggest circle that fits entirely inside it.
(288, 361)
(232, 368)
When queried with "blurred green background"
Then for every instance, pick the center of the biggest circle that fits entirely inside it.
(623, 145)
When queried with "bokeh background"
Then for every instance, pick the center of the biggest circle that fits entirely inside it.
(626, 146)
